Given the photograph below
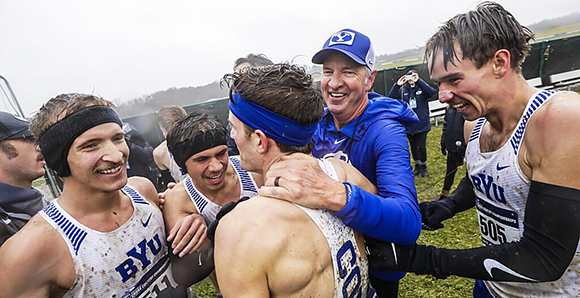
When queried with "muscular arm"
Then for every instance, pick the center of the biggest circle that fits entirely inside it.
(35, 262)
(542, 254)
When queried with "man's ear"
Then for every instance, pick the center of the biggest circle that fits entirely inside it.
(261, 141)
(501, 62)
(370, 81)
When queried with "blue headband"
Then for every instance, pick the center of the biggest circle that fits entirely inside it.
(279, 128)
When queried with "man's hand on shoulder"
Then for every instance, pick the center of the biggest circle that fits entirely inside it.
(299, 179)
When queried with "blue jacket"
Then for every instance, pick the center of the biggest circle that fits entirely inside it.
(376, 144)
(421, 92)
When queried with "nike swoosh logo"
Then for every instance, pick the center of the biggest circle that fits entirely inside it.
(339, 141)
(499, 168)
(145, 224)
(490, 264)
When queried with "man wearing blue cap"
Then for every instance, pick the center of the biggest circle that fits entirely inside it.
(20, 163)
(273, 248)
(366, 130)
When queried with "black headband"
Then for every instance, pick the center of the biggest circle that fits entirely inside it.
(56, 141)
(183, 150)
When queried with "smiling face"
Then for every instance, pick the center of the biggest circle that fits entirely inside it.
(344, 86)
(98, 159)
(463, 85)
(208, 168)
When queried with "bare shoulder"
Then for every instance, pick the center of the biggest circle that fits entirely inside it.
(558, 120)
(177, 199)
(36, 257)
(145, 188)
(551, 141)
(161, 155)
(348, 173)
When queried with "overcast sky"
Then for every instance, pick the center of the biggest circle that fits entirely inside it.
(121, 49)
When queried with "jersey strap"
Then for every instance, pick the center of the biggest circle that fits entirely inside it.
(200, 201)
(247, 183)
(477, 129)
(74, 234)
(539, 99)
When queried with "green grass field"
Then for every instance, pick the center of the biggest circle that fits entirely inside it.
(459, 232)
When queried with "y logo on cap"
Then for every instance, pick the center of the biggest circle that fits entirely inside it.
(342, 37)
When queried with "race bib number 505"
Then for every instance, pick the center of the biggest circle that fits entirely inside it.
(496, 225)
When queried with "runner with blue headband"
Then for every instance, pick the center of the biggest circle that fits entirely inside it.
(299, 251)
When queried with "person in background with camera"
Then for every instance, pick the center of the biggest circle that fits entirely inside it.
(453, 145)
(414, 91)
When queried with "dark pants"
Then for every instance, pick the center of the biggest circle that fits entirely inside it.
(385, 288)
(454, 159)
(418, 143)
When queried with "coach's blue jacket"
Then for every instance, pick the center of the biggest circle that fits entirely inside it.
(376, 144)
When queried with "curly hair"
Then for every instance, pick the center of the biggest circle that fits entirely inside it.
(61, 106)
(480, 33)
(284, 89)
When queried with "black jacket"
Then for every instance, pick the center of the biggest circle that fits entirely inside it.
(452, 138)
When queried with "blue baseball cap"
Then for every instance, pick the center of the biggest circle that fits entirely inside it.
(354, 44)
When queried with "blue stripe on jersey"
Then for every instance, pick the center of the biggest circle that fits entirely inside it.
(245, 177)
(476, 129)
(135, 196)
(199, 200)
(537, 102)
(74, 234)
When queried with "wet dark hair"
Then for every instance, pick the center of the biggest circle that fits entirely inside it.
(193, 124)
(284, 89)
(480, 33)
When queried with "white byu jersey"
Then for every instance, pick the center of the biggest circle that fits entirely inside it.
(131, 261)
(209, 209)
(501, 191)
(177, 173)
(350, 269)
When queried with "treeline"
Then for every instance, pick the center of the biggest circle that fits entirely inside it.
(173, 96)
